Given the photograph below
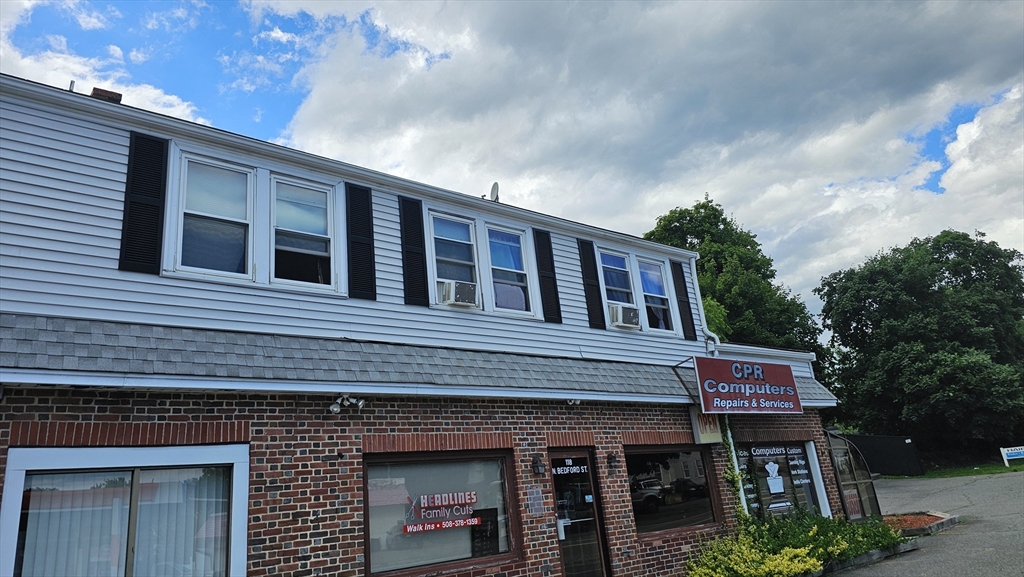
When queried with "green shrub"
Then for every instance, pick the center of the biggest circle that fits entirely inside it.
(787, 546)
(741, 556)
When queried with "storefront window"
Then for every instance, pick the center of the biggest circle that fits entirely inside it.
(668, 489)
(77, 523)
(777, 478)
(423, 513)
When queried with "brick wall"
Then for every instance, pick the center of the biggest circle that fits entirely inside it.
(306, 502)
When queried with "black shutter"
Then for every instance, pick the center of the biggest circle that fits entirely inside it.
(142, 226)
(414, 255)
(362, 269)
(683, 296)
(546, 269)
(591, 284)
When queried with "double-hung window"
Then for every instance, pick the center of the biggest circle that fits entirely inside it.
(617, 285)
(454, 250)
(508, 270)
(652, 282)
(215, 225)
(256, 224)
(302, 243)
(482, 265)
(629, 282)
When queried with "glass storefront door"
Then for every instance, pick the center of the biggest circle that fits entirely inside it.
(579, 525)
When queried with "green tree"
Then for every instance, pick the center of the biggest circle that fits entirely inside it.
(930, 342)
(737, 280)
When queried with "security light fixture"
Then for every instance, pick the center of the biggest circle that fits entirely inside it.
(346, 401)
(572, 401)
(539, 466)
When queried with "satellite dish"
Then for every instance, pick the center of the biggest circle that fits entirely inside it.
(494, 192)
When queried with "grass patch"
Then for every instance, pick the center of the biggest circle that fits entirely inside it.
(968, 471)
(983, 469)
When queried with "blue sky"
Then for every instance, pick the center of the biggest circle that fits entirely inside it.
(830, 130)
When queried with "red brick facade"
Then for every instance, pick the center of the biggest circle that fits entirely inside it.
(306, 468)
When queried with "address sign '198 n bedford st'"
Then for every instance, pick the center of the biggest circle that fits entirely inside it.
(746, 387)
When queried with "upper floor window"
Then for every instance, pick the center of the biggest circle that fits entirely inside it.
(617, 286)
(508, 271)
(636, 292)
(453, 249)
(652, 282)
(302, 243)
(252, 223)
(493, 274)
(216, 219)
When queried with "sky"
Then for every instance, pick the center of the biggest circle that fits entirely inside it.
(831, 130)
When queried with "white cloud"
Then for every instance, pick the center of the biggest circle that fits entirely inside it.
(612, 114)
(138, 56)
(88, 18)
(186, 16)
(58, 67)
(276, 35)
(115, 52)
(57, 43)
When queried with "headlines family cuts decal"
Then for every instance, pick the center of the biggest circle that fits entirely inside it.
(449, 509)
(746, 387)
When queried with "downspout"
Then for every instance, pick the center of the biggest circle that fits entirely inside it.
(736, 465)
(711, 339)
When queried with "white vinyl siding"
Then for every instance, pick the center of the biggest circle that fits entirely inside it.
(60, 233)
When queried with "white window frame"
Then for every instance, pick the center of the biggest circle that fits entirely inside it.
(250, 193)
(641, 302)
(482, 253)
(332, 239)
(22, 460)
(261, 209)
(636, 287)
(529, 264)
(474, 241)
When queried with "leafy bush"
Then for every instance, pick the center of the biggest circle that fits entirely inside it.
(789, 546)
(741, 556)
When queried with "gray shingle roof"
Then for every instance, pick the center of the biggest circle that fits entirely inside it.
(62, 344)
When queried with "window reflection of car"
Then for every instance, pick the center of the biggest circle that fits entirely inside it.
(688, 489)
(647, 495)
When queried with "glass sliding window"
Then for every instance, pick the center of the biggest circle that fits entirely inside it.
(663, 495)
(429, 512)
(133, 523)
(74, 524)
(616, 278)
(302, 245)
(215, 224)
(508, 271)
(453, 250)
(652, 280)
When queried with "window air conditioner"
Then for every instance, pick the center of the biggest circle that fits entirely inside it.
(624, 317)
(458, 293)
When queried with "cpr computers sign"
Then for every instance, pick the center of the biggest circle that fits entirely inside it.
(746, 387)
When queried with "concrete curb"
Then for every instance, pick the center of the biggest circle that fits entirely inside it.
(946, 522)
(865, 559)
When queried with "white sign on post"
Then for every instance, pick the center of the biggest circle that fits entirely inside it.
(1011, 453)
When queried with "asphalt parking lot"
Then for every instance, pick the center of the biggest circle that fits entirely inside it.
(988, 542)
